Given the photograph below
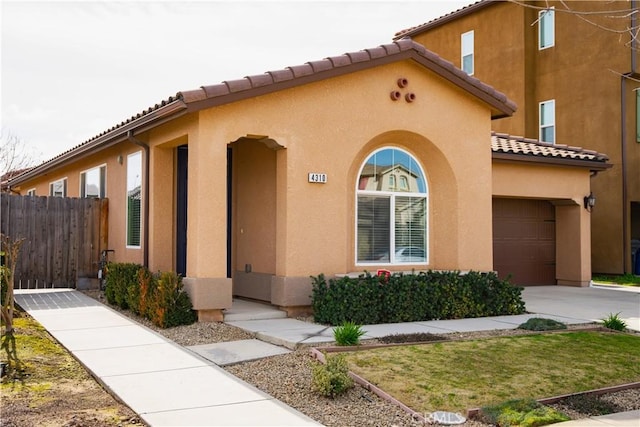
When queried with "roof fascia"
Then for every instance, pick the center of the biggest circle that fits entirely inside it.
(519, 158)
(468, 10)
(155, 118)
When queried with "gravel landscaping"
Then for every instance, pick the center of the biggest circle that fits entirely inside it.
(288, 378)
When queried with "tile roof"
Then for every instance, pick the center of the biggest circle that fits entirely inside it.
(251, 86)
(408, 32)
(233, 90)
(509, 147)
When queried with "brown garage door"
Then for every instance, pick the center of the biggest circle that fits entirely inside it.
(524, 241)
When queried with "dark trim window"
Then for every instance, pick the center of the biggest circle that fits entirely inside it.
(93, 183)
(134, 199)
(391, 221)
(58, 188)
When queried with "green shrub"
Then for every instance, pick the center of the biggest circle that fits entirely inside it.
(348, 333)
(541, 324)
(147, 286)
(332, 378)
(522, 413)
(158, 297)
(413, 297)
(120, 277)
(613, 321)
(171, 305)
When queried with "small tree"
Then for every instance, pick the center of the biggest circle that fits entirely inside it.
(10, 251)
(15, 155)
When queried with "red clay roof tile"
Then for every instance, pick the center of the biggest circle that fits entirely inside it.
(260, 80)
(238, 85)
(360, 56)
(517, 146)
(322, 65)
(216, 90)
(281, 75)
(301, 70)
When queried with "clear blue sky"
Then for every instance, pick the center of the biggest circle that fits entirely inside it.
(71, 70)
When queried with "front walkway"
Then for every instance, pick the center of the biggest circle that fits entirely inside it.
(165, 384)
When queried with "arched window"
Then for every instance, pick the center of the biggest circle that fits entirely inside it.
(391, 223)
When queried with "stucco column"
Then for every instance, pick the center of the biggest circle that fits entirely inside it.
(573, 245)
(206, 282)
(161, 204)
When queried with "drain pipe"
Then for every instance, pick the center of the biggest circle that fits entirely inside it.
(623, 144)
(145, 250)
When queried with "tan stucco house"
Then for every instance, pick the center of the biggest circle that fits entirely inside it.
(572, 69)
(251, 186)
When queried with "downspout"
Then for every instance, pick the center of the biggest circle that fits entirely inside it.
(145, 250)
(623, 143)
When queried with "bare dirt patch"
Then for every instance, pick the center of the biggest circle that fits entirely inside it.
(44, 385)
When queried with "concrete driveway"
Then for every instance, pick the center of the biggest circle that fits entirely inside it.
(591, 303)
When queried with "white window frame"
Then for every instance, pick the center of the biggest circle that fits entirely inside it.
(102, 181)
(392, 195)
(466, 50)
(546, 19)
(64, 187)
(31, 192)
(551, 124)
(128, 246)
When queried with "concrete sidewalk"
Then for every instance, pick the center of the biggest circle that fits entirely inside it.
(165, 384)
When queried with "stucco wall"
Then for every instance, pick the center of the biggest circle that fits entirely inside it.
(331, 127)
(582, 72)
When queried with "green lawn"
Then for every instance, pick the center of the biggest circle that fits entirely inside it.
(626, 280)
(456, 376)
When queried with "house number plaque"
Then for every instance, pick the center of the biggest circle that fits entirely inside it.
(318, 178)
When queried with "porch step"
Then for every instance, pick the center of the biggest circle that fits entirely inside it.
(250, 310)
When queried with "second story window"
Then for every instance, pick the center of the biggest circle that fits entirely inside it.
(546, 28)
(467, 53)
(92, 183)
(548, 121)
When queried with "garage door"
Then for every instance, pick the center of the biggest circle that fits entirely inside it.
(524, 241)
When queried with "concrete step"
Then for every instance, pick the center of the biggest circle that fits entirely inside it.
(250, 310)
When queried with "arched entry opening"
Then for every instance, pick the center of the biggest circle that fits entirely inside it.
(251, 215)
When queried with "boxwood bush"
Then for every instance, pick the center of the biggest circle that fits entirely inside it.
(120, 277)
(413, 297)
(158, 297)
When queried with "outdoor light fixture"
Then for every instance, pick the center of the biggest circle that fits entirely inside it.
(589, 201)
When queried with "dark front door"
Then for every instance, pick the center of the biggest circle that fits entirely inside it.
(181, 214)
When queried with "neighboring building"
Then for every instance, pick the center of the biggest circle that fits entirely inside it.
(251, 186)
(575, 82)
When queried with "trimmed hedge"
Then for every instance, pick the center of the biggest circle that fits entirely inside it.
(158, 297)
(432, 295)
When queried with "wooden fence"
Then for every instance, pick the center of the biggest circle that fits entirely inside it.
(62, 236)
